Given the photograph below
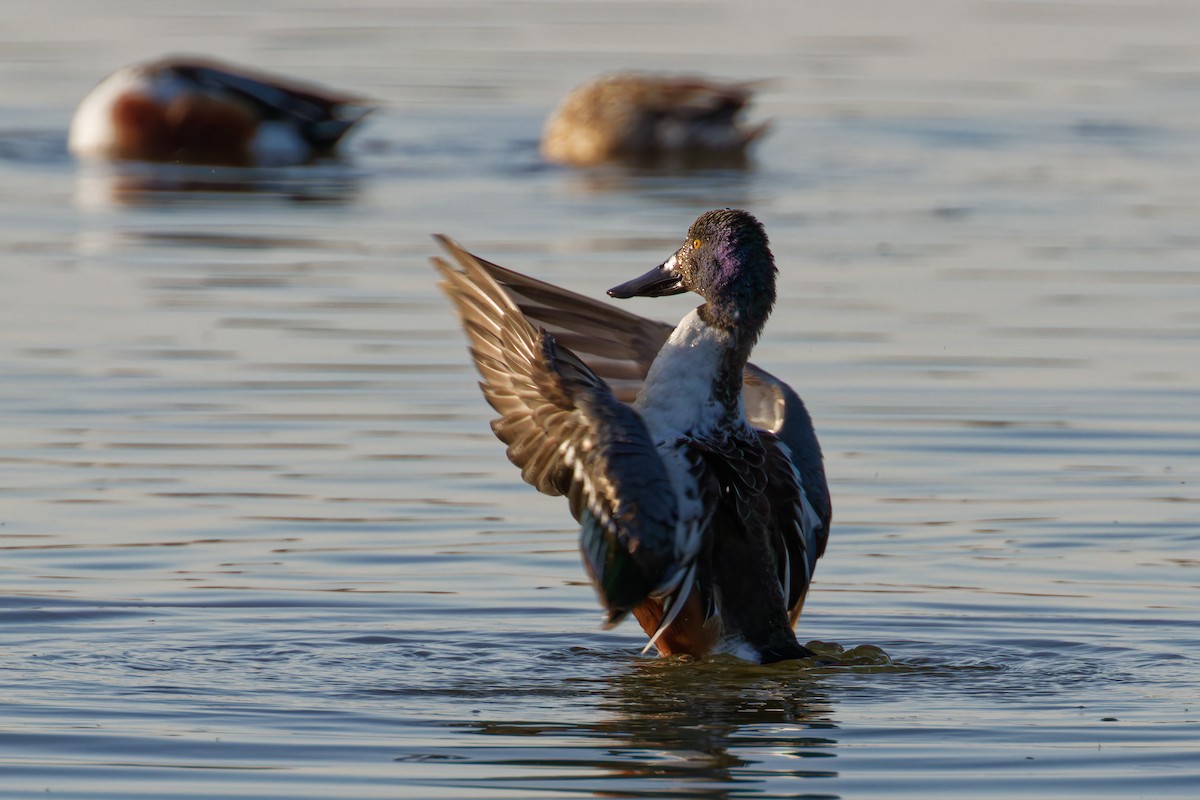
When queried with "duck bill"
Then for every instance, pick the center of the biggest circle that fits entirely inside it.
(661, 281)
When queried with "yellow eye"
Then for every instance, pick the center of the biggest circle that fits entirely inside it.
(696, 243)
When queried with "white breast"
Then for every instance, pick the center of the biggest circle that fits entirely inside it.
(676, 401)
(93, 132)
(677, 397)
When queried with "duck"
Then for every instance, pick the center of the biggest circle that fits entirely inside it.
(200, 111)
(695, 476)
(652, 120)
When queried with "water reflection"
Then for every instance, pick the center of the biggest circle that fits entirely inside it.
(32, 146)
(722, 722)
(728, 182)
(665, 728)
(104, 186)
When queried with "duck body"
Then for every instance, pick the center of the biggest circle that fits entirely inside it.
(703, 522)
(648, 119)
(199, 111)
(742, 483)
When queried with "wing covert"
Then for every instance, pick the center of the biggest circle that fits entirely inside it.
(773, 406)
(800, 533)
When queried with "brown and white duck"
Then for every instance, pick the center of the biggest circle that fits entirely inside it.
(200, 111)
(696, 477)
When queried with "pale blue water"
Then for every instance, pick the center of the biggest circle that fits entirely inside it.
(257, 540)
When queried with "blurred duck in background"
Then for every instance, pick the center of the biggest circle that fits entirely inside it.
(652, 120)
(199, 111)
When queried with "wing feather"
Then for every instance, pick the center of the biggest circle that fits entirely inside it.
(620, 347)
(570, 436)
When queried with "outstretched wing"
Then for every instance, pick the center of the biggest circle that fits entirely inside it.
(617, 345)
(571, 436)
(620, 346)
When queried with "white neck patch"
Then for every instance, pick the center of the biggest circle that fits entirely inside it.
(677, 397)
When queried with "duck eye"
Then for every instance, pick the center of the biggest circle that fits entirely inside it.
(696, 243)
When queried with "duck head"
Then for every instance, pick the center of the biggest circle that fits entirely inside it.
(727, 261)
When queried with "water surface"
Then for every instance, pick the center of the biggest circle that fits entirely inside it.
(258, 540)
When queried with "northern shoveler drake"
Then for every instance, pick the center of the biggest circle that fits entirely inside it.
(197, 111)
(696, 477)
(651, 119)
